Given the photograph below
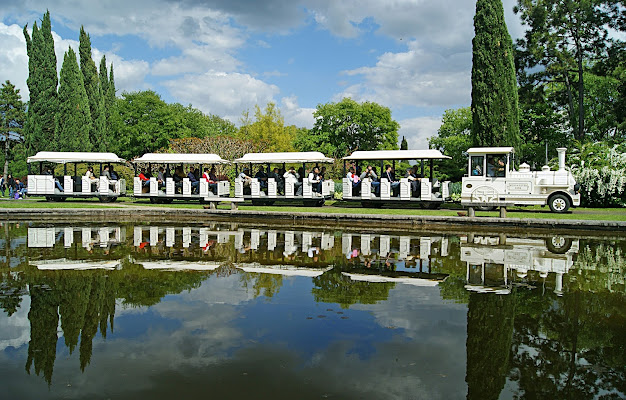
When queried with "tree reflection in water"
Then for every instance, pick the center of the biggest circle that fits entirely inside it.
(530, 343)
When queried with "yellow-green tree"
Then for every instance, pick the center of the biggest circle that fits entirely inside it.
(269, 127)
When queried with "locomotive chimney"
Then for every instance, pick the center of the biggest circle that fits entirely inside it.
(561, 151)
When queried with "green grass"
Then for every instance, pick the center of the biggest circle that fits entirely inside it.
(334, 207)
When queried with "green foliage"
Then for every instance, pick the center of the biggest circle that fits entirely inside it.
(341, 128)
(453, 139)
(600, 169)
(73, 121)
(39, 131)
(495, 115)
(561, 39)
(268, 127)
(91, 80)
(404, 145)
(12, 117)
(147, 124)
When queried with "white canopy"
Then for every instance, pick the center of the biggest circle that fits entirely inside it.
(62, 157)
(491, 150)
(406, 280)
(287, 157)
(287, 270)
(62, 264)
(178, 158)
(396, 155)
(171, 265)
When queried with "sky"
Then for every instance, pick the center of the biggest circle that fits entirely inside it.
(226, 56)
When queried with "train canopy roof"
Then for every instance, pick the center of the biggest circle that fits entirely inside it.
(491, 150)
(287, 157)
(396, 155)
(64, 157)
(180, 158)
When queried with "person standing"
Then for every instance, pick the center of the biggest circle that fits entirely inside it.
(3, 185)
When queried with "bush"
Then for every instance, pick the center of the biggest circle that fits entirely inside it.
(455, 190)
(600, 170)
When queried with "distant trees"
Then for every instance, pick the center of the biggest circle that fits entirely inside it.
(73, 123)
(341, 128)
(453, 139)
(12, 116)
(495, 118)
(269, 127)
(42, 84)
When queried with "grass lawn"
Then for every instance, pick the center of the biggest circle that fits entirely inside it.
(333, 207)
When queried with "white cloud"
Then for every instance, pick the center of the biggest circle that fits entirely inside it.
(221, 93)
(13, 58)
(418, 130)
(295, 115)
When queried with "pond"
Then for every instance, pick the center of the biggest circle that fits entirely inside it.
(242, 311)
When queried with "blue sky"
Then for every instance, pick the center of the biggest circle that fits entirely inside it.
(225, 56)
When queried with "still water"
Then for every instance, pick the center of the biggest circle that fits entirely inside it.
(232, 311)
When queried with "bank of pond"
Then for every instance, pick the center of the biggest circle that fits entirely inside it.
(493, 179)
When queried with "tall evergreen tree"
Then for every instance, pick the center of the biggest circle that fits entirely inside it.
(94, 95)
(112, 111)
(404, 145)
(495, 115)
(73, 123)
(42, 85)
(12, 116)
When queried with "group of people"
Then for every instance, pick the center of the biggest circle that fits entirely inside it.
(107, 172)
(356, 176)
(193, 174)
(16, 188)
(281, 176)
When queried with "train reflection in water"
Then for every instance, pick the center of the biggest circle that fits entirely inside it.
(494, 263)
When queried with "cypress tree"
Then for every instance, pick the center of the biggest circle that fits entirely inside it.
(73, 122)
(404, 145)
(112, 113)
(94, 95)
(42, 84)
(495, 118)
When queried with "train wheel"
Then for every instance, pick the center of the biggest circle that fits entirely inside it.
(559, 203)
(558, 244)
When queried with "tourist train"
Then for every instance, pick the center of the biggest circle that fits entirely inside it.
(491, 180)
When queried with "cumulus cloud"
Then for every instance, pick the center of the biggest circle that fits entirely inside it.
(221, 93)
(418, 130)
(296, 115)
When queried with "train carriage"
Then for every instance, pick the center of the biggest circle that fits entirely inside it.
(62, 187)
(181, 188)
(429, 191)
(266, 193)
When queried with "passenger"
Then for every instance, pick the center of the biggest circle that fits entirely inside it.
(262, 177)
(246, 179)
(149, 173)
(211, 178)
(371, 174)
(178, 177)
(92, 179)
(323, 173)
(56, 181)
(113, 174)
(354, 180)
(161, 177)
(391, 177)
(292, 177)
(495, 167)
(145, 181)
(414, 180)
(195, 183)
(315, 181)
(107, 174)
(278, 178)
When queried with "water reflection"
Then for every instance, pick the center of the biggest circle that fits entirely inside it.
(347, 314)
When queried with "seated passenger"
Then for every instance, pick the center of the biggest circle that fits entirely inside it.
(211, 178)
(107, 174)
(414, 180)
(278, 178)
(92, 179)
(56, 181)
(113, 174)
(161, 177)
(391, 177)
(315, 181)
(292, 177)
(262, 177)
(244, 175)
(370, 173)
(145, 181)
(195, 183)
(354, 180)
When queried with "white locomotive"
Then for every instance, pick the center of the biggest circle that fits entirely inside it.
(492, 181)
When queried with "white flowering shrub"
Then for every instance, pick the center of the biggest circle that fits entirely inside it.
(600, 169)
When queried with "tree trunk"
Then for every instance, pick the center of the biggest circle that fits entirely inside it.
(570, 104)
(6, 156)
(581, 97)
